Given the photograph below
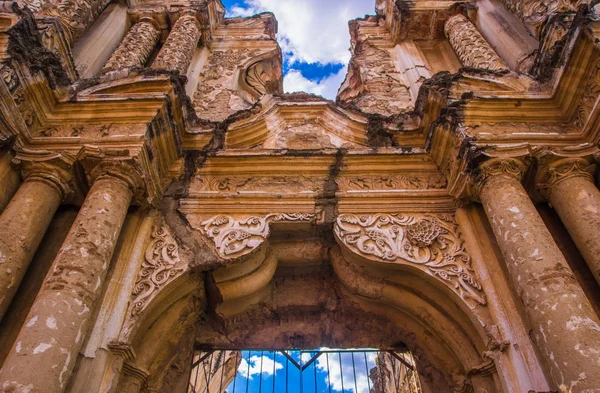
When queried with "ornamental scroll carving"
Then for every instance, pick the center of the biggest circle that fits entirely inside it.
(470, 46)
(399, 182)
(431, 243)
(161, 265)
(235, 238)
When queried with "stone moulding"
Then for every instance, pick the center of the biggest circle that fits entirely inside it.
(431, 243)
(235, 238)
(161, 266)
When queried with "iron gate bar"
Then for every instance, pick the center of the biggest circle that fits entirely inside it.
(203, 358)
(291, 359)
(404, 377)
(312, 360)
(403, 361)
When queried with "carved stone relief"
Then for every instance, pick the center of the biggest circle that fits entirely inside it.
(373, 83)
(235, 238)
(431, 243)
(214, 98)
(470, 46)
(161, 265)
(535, 12)
(91, 131)
(398, 182)
(177, 52)
(257, 184)
(17, 92)
(135, 48)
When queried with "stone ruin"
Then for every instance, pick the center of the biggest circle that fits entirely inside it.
(158, 190)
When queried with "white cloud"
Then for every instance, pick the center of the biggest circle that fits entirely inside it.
(253, 366)
(313, 31)
(348, 371)
(327, 87)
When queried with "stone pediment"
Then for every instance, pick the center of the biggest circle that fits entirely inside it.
(298, 122)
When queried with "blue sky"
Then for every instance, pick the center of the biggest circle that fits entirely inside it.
(314, 38)
(249, 379)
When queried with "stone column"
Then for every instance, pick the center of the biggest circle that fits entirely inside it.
(24, 223)
(177, 52)
(135, 48)
(470, 46)
(569, 186)
(565, 327)
(44, 353)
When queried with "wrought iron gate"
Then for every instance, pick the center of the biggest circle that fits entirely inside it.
(297, 371)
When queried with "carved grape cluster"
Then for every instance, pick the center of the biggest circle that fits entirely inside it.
(423, 233)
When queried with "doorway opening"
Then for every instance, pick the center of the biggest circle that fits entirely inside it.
(322, 370)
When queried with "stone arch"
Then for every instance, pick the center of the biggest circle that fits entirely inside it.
(331, 302)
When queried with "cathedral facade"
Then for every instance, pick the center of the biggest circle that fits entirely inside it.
(160, 192)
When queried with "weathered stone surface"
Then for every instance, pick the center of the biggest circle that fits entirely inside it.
(60, 315)
(565, 326)
(260, 219)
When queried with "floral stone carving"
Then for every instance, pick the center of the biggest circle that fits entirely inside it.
(431, 243)
(161, 265)
(235, 238)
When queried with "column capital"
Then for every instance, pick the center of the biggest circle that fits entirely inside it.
(124, 170)
(498, 166)
(554, 172)
(54, 172)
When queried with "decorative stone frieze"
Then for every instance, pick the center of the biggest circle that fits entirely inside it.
(430, 243)
(399, 182)
(234, 238)
(176, 54)
(470, 46)
(136, 47)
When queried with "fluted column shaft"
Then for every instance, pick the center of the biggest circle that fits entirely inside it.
(564, 324)
(44, 353)
(135, 48)
(470, 46)
(571, 191)
(22, 227)
(177, 52)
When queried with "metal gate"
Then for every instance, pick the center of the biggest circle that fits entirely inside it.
(303, 371)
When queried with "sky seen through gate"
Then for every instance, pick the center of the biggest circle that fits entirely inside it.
(330, 373)
(314, 39)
